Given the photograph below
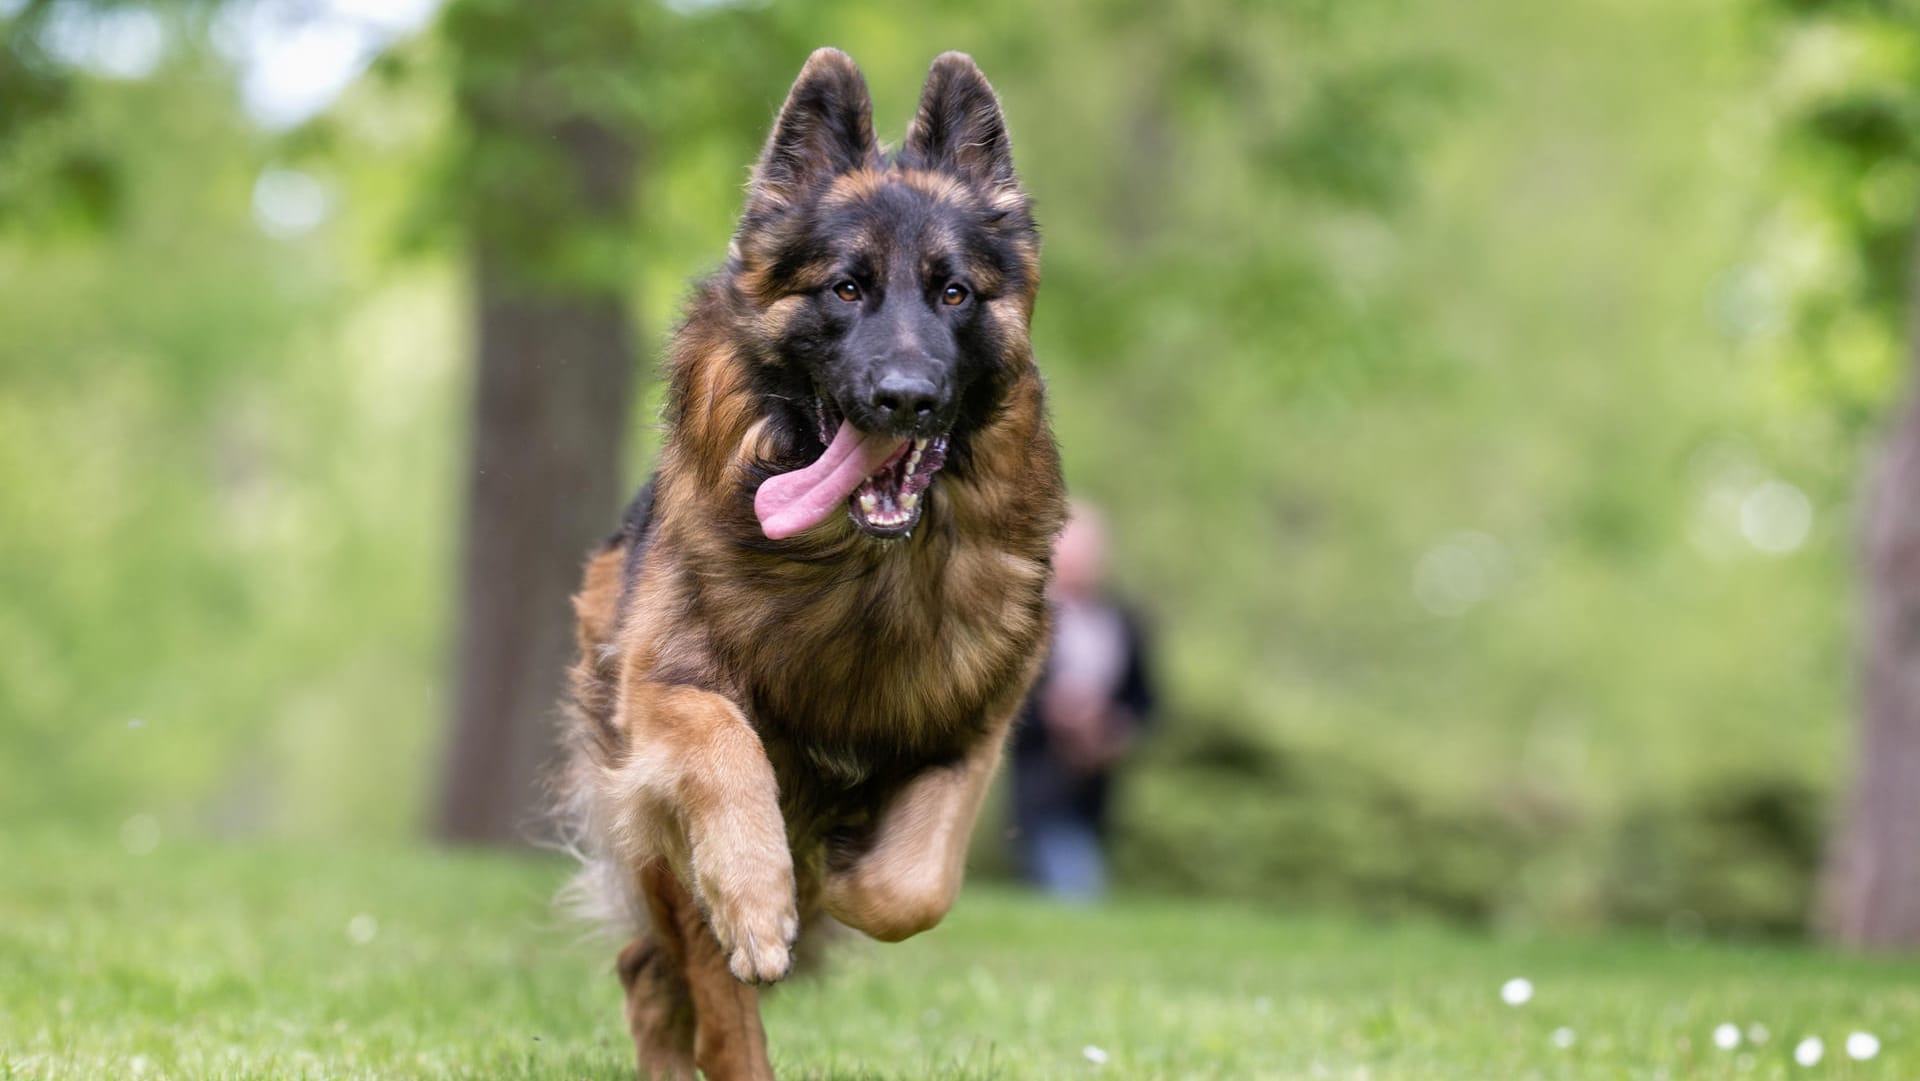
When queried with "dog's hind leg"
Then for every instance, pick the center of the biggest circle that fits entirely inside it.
(659, 1006)
(907, 877)
(710, 1014)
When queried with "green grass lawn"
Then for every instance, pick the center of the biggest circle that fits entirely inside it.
(245, 962)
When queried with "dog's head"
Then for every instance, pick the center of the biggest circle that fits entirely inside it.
(886, 297)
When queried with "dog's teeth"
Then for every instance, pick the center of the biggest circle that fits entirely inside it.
(868, 503)
(919, 445)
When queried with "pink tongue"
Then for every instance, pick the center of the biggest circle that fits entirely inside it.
(794, 502)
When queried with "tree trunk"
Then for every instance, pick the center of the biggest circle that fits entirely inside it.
(554, 383)
(1871, 892)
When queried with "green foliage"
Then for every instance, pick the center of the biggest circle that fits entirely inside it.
(1497, 606)
(1428, 362)
(613, 75)
(384, 962)
(1214, 812)
(46, 169)
(1315, 832)
(1849, 139)
(223, 497)
(1738, 858)
(532, 88)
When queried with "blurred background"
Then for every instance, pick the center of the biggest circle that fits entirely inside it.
(1485, 402)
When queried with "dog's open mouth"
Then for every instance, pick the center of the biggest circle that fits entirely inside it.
(888, 503)
(881, 479)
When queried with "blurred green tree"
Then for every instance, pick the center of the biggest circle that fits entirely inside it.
(550, 153)
(554, 116)
(1849, 82)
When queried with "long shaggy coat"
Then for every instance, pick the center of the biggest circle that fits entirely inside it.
(768, 733)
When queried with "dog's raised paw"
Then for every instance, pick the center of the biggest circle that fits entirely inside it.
(760, 946)
(755, 923)
(755, 963)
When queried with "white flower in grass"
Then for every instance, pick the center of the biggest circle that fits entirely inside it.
(362, 928)
(1095, 1055)
(1809, 1051)
(1726, 1036)
(1517, 991)
(1757, 1033)
(1862, 1046)
(1563, 1037)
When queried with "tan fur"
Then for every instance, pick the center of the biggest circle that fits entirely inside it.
(689, 782)
(696, 789)
(769, 735)
(910, 877)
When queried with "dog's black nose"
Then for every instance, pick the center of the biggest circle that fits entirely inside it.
(905, 398)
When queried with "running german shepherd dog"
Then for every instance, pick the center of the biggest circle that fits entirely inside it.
(801, 653)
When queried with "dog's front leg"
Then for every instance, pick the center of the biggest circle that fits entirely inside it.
(700, 788)
(908, 877)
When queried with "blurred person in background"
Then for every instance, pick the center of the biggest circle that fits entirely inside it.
(1092, 700)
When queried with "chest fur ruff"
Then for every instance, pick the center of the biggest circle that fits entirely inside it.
(898, 653)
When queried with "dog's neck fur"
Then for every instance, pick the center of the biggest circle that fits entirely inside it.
(820, 635)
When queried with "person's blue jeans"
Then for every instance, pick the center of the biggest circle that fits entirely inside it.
(1064, 859)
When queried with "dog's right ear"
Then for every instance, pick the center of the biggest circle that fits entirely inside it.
(825, 129)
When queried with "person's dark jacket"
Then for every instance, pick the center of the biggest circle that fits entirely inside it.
(1045, 787)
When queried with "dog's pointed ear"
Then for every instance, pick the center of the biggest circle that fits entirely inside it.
(825, 129)
(959, 128)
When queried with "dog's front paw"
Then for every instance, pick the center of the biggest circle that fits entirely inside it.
(753, 960)
(743, 875)
(756, 936)
(747, 892)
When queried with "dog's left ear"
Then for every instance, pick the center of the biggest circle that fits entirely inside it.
(959, 129)
(825, 129)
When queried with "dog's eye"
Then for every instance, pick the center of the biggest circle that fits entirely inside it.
(847, 291)
(955, 294)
